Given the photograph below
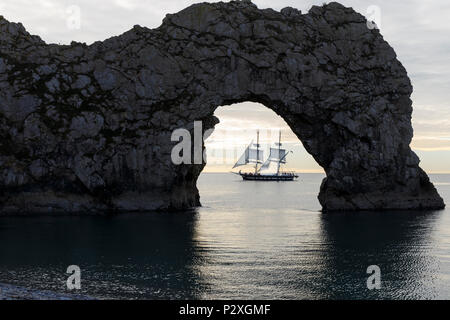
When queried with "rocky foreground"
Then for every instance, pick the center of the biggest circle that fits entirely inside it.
(88, 127)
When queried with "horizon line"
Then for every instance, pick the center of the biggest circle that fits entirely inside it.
(321, 171)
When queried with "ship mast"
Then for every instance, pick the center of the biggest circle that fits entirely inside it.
(279, 150)
(257, 151)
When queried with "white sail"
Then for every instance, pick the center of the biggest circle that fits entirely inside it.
(250, 155)
(255, 155)
(269, 168)
(266, 165)
(276, 157)
(277, 154)
(243, 160)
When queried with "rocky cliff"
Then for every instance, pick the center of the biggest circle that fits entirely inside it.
(88, 128)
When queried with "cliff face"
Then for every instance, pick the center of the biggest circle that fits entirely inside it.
(87, 128)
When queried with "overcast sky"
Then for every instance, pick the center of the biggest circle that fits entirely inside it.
(418, 30)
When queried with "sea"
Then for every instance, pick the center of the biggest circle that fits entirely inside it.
(249, 240)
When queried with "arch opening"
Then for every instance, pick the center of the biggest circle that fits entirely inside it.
(237, 127)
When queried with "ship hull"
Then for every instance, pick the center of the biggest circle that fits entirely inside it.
(259, 177)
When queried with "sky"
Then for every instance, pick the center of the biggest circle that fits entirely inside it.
(418, 31)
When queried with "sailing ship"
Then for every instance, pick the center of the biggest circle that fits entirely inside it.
(269, 170)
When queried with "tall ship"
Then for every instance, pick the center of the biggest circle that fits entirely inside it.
(268, 170)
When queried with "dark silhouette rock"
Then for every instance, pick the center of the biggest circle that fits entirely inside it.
(88, 128)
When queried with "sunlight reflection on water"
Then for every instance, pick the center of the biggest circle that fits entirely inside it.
(249, 240)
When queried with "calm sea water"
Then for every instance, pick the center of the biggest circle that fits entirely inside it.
(250, 240)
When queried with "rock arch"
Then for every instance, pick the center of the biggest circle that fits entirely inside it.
(89, 127)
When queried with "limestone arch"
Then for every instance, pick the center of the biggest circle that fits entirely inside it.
(91, 124)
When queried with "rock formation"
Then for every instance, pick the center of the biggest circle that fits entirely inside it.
(88, 128)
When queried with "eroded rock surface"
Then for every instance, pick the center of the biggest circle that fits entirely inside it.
(87, 128)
